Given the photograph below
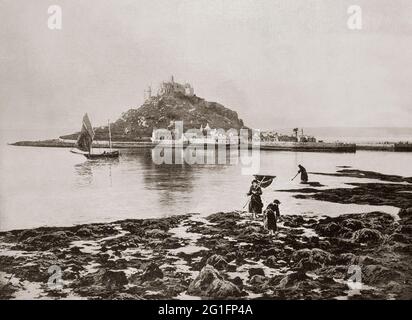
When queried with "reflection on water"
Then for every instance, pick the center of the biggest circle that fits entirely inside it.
(57, 187)
(84, 170)
(84, 173)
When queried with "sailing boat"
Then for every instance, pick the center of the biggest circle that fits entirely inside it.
(85, 142)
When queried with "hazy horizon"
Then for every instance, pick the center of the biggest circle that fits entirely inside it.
(277, 63)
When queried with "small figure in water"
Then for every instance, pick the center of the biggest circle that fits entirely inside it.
(255, 204)
(303, 174)
(271, 215)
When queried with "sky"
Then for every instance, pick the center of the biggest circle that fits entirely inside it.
(277, 63)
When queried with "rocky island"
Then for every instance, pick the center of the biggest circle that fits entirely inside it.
(173, 102)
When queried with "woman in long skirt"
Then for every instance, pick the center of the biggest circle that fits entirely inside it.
(271, 215)
(255, 204)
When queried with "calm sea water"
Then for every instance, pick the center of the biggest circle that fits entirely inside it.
(53, 187)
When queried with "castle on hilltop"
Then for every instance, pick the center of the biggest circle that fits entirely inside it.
(170, 87)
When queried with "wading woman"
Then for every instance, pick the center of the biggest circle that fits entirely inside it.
(255, 204)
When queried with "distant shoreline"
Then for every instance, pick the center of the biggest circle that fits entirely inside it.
(322, 146)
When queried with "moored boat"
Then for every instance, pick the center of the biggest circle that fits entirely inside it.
(85, 141)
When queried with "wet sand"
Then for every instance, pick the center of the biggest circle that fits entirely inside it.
(223, 255)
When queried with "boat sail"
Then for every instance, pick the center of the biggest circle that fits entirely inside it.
(85, 142)
(85, 139)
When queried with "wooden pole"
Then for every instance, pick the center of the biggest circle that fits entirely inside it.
(260, 183)
(295, 176)
(110, 136)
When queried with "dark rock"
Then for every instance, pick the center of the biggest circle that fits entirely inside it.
(237, 281)
(217, 261)
(230, 256)
(405, 229)
(270, 252)
(85, 232)
(209, 283)
(114, 279)
(405, 213)
(365, 260)
(367, 235)
(75, 250)
(376, 274)
(256, 271)
(402, 248)
(346, 258)
(125, 296)
(7, 289)
(399, 237)
(47, 241)
(271, 261)
(331, 229)
(353, 224)
(222, 217)
(310, 259)
(152, 272)
(295, 280)
(25, 234)
(342, 244)
(156, 233)
(231, 267)
(99, 281)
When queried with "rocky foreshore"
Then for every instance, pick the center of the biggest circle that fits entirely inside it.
(224, 255)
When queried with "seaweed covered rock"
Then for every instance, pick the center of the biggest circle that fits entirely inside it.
(217, 261)
(310, 259)
(353, 224)
(367, 235)
(46, 241)
(209, 283)
(293, 281)
(256, 271)
(220, 217)
(85, 232)
(156, 233)
(375, 274)
(331, 229)
(101, 281)
(238, 282)
(152, 272)
(271, 261)
(113, 279)
(95, 230)
(406, 214)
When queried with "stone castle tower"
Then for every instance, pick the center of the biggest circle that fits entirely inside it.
(170, 87)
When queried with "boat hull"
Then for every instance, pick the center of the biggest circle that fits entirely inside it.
(104, 155)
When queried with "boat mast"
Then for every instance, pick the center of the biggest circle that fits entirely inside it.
(110, 136)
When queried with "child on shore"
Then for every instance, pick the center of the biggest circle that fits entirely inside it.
(271, 215)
